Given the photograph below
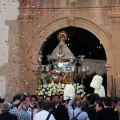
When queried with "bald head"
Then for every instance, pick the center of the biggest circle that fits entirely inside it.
(78, 104)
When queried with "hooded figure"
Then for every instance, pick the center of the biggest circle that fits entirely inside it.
(96, 83)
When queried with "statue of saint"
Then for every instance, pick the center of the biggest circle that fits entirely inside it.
(62, 77)
(65, 79)
(54, 77)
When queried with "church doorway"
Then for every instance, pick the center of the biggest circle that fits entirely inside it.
(80, 42)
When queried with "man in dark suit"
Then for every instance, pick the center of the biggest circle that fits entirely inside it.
(92, 99)
(5, 107)
(107, 113)
(59, 110)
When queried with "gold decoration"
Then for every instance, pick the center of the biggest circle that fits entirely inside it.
(62, 36)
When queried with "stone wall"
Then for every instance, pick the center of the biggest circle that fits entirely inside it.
(9, 48)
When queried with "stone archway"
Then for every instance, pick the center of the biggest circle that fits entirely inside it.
(97, 30)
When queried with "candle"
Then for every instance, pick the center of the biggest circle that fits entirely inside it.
(87, 68)
(83, 68)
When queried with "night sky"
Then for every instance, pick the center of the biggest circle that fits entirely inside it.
(80, 42)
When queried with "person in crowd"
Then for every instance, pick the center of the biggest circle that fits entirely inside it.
(23, 114)
(92, 99)
(33, 98)
(118, 108)
(48, 98)
(28, 100)
(40, 97)
(59, 110)
(61, 99)
(114, 103)
(14, 107)
(33, 105)
(107, 113)
(99, 107)
(6, 115)
(77, 97)
(0, 109)
(40, 105)
(77, 111)
(45, 112)
(1, 101)
(15, 102)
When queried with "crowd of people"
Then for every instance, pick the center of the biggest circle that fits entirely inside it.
(91, 107)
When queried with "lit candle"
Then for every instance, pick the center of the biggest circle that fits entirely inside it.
(40, 57)
(87, 68)
(83, 68)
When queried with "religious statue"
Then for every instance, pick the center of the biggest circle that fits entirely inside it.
(61, 76)
(54, 77)
(65, 78)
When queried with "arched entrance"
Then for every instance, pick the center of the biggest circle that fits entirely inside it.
(80, 42)
(81, 23)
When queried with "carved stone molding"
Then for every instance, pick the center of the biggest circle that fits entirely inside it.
(71, 21)
(114, 15)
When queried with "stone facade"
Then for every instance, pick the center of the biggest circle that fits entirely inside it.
(100, 17)
(36, 23)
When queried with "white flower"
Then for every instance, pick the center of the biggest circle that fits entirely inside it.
(55, 84)
(57, 90)
(78, 91)
(60, 90)
(49, 94)
(52, 83)
(53, 87)
(69, 91)
(82, 95)
(44, 86)
(59, 83)
(43, 90)
(81, 90)
(81, 86)
(54, 91)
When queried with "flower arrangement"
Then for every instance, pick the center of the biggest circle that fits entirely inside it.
(58, 88)
(50, 89)
(69, 92)
(80, 90)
